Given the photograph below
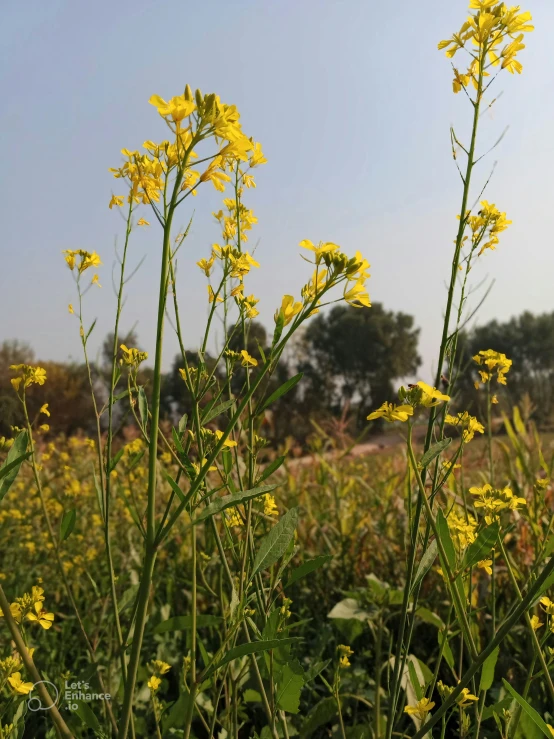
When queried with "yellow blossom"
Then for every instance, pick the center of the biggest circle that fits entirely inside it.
(40, 616)
(247, 360)
(536, 623)
(289, 309)
(70, 308)
(160, 667)
(154, 683)
(391, 412)
(430, 396)
(270, 506)
(142, 222)
(18, 685)
(44, 409)
(345, 652)
(485, 564)
(229, 443)
(421, 708)
(116, 200)
(28, 375)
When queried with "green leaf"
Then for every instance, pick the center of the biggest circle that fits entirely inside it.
(232, 500)
(434, 452)
(425, 564)
(183, 424)
(86, 714)
(275, 544)
(309, 566)
(446, 650)
(177, 441)
(416, 685)
(176, 716)
(481, 546)
(446, 539)
(251, 648)
(115, 459)
(183, 623)
(271, 468)
(91, 329)
(347, 609)
(251, 696)
(217, 411)
(321, 713)
(143, 406)
(127, 598)
(429, 617)
(176, 489)
(68, 524)
(487, 671)
(14, 460)
(285, 387)
(289, 689)
(533, 715)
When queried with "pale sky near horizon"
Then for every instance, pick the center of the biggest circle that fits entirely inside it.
(352, 103)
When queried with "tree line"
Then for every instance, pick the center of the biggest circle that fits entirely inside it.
(351, 361)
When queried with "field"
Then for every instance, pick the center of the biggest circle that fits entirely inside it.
(204, 573)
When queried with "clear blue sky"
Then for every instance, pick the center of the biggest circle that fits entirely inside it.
(352, 103)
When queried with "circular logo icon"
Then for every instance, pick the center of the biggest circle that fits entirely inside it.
(35, 704)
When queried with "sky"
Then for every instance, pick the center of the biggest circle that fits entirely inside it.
(352, 103)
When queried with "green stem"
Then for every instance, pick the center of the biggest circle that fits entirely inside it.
(48, 704)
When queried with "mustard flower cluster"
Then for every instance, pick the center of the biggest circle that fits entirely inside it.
(191, 118)
(493, 501)
(27, 375)
(469, 425)
(492, 36)
(493, 362)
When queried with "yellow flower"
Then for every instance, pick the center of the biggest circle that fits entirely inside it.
(154, 683)
(44, 427)
(548, 605)
(28, 375)
(95, 281)
(289, 309)
(430, 396)
(40, 616)
(160, 667)
(493, 361)
(536, 623)
(116, 200)
(270, 507)
(44, 409)
(18, 686)
(469, 424)
(321, 249)
(142, 222)
(391, 412)
(176, 109)
(233, 517)
(70, 308)
(206, 265)
(345, 652)
(357, 296)
(228, 442)
(421, 709)
(87, 259)
(132, 357)
(485, 564)
(211, 296)
(247, 360)
(465, 698)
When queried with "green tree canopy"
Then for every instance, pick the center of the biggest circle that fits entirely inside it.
(354, 355)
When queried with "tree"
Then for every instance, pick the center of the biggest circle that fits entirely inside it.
(353, 355)
(527, 340)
